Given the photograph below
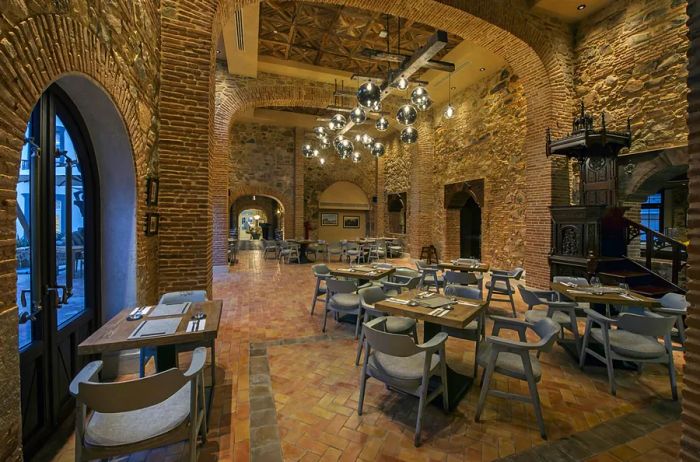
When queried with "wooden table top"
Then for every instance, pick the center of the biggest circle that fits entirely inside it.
(480, 268)
(363, 272)
(579, 294)
(114, 334)
(458, 317)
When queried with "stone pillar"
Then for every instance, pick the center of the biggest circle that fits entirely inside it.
(421, 195)
(690, 440)
(186, 113)
(298, 184)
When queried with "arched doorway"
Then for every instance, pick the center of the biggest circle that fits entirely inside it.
(342, 212)
(470, 230)
(74, 231)
(245, 208)
(250, 224)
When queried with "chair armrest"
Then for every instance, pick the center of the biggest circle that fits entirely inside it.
(500, 272)
(562, 306)
(199, 357)
(434, 343)
(509, 323)
(86, 374)
(599, 318)
(393, 285)
(546, 295)
(504, 344)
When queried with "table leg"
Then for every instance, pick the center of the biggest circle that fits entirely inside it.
(166, 357)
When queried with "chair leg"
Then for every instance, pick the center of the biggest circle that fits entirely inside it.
(421, 408)
(609, 362)
(574, 331)
(486, 381)
(681, 331)
(358, 323)
(213, 364)
(476, 355)
(359, 348)
(536, 401)
(671, 366)
(584, 345)
(313, 301)
(325, 314)
(443, 378)
(510, 296)
(363, 384)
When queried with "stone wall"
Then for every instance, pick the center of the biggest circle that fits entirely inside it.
(485, 141)
(631, 61)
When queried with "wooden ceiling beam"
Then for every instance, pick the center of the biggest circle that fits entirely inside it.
(400, 58)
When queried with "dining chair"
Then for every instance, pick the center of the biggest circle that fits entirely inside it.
(353, 252)
(513, 358)
(673, 304)
(320, 247)
(342, 298)
(399, 283)
(169, 298)
(269, 247)
(395, 248)
(430, 276)
(476, 329)
(118, 418)
(561, 312)
(456, 278)
(394, 324)
(636, 339)
(321, 272)
(500, 285)
(334, 249)
(402, 364)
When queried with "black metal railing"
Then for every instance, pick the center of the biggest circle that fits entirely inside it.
(658, 246)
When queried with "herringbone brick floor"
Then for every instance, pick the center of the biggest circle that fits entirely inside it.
(315, 388)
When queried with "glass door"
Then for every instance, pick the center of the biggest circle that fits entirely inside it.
(56, 254)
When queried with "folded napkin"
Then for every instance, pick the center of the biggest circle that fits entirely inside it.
(193, 323)
(143, 310)
(459, 302)
(397, 300)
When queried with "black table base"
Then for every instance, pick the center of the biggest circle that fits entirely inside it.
(457, 384)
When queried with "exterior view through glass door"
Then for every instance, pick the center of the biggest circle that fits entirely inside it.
(57, 276)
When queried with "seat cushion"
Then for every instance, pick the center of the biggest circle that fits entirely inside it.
(121, 428)
(404, 368)
(345, 301)
(560, 318)
(399, 324)
(632, 345)
(499, 287)
(510, 364)
(470, 331)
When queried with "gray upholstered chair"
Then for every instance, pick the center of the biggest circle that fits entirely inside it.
(430, 276)
(321, 272)
(395, 248)
(377, 251)
(456, 278)
(636, 339)
(172, 298)
(475, 330)
(401, 281)
(290, 252)
(269, 247)
(335, 250)
(118, 418)
(394, 324)
(513, 358)
(676, 305)
(400, 363)
(354, 252)
(500, 285)
(579, 281)
(342, 298)
(562, 312)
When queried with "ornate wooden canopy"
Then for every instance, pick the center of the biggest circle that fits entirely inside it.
(335, 36)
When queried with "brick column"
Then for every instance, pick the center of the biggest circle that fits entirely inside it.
(298, 184)
(421, 195)
(380, 207)
(186, 102)
(690, 441)
(451, 248)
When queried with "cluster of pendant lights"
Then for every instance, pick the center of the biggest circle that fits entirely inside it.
(369, 99)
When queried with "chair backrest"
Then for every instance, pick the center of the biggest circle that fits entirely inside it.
(412, 282)
(340, 286)
(456, 277)
(548, 331)
(173, 298)
(406, 273)
(675, 301)
(421, 265)
(463, 292)
(371, 295)
(320, 269)
(517, 273)
(399, 345)
(581, 282)
(386, 266)
(652, 326)
(530, 298)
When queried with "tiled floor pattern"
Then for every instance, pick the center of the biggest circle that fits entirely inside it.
(314, 384)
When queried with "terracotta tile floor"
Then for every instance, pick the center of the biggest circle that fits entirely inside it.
(315, 389)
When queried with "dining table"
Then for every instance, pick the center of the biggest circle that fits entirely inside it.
(303, 248)
(455, 312)
(455, 265)
(363, 273)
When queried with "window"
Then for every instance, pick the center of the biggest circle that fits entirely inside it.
(652, 214)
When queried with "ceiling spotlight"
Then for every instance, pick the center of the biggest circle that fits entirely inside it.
(368, 94)
(419, 95)
(307, 151)
(358, 115)
(582, 6)
(482, 69)
(382, 124)
(218, 52)
(275, 31)
(377, 149)
(337, 122)
(449, 112)
(402, 84)
(409, 135)
(407, 115)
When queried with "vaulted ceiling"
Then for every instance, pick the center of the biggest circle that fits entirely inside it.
(334, 36)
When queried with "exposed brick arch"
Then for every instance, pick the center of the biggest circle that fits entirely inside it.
(538, 51)
(284, 200)
(649, 173)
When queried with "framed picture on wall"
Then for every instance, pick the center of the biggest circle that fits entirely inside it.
(351, 221)
(152, 185)
(152, 223)
(329, 219)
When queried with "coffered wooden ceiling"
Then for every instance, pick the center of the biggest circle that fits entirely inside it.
(334, 36)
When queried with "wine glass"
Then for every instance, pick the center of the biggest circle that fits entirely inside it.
(597, 285)
(625, 287)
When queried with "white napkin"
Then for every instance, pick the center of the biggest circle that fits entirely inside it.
(142, 309)
(443, 313)
(435, 312)
(459, 302)
(192, 323)
(397, 300)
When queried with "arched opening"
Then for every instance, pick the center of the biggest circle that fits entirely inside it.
(470, 230)
(396, 211)
(255, 217)
(250, 222)
(343, 212)
(76, 246)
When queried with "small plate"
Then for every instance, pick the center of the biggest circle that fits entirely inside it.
(134, 317)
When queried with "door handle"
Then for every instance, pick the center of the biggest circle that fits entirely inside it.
(27, 316)
(23, 296)
(60, 300)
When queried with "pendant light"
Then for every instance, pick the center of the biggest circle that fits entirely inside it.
(449, 110)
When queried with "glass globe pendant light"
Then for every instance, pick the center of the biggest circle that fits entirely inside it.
(424, 105)
(449, 110)
(382, 124)
(344, 148)
(402, 83)
(337, 122)
(320, 132)
(324, 143)
(356, 156)
(407, 115)
(358, 115)
(377, 149)
(307, 151)
(369, 94)
(409, 135)
(419, 95)
(366, 140)
(376, 107)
